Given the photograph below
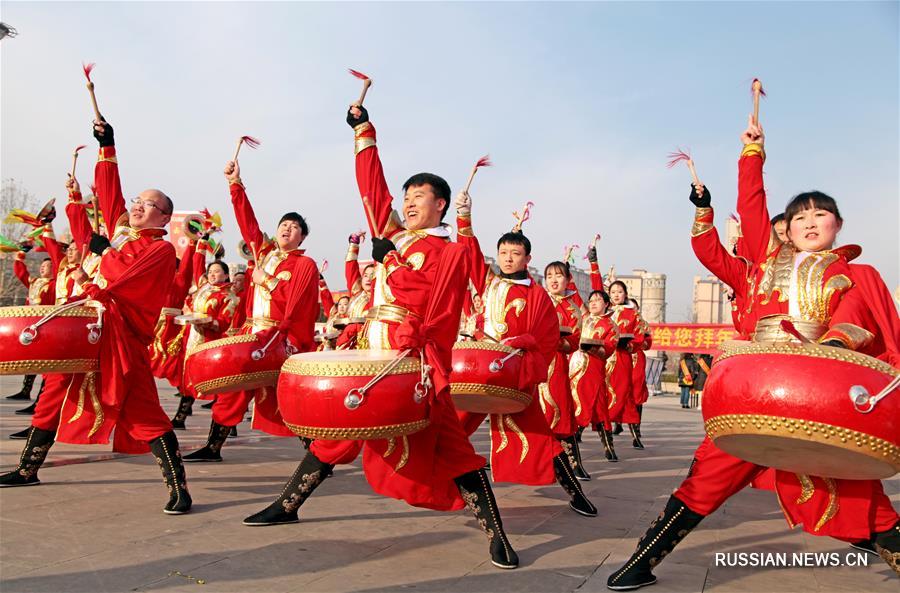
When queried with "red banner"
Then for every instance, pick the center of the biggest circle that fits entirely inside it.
(702, 338)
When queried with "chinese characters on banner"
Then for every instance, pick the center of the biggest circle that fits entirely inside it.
(701, 338)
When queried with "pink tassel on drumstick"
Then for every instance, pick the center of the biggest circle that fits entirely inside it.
(680, 155)
(757, 90)
(75, 158)
(484, 161)
(367, 82)
(90, 86)
(250, 141)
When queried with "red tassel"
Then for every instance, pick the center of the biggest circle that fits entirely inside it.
(734, 217)
(80, 147)
(250, 141)
(87, 69)
(789, 328)
(357, 74)
(93, 190)
(677, 157)
(484, 161)
(762, 92)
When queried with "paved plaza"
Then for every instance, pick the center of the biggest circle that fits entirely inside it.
(95, 524)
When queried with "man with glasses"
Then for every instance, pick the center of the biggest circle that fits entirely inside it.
(137, 267)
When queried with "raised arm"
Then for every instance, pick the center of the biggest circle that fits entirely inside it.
(478, 268)
(183, 276)
(751, 203)
(243, 211)
(351, 265)
(76, 212)
(709, 249)
(370, 175)
(106, 179)
(596, 276)
(53, 247)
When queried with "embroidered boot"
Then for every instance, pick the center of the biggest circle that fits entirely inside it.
(210, 451)
(168, 457)
(309, 474)
(33, 456)
(29, 411)
(636, 436)
(21, 435)
(476, 491)
(887, 545)
(24, 393)
(606, 437)
(566, 478)
(573, 452)
(675, 522)
(184, 410)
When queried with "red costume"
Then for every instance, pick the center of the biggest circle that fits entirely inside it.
(556, 398)
(416, 303)
(642, 342)
(587, 369)
(132, 280)
(167, 349)
(519, 313)
(41, 291)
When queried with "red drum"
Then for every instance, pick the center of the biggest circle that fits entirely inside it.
(235, 363)
(805, 408)
(324, 395)
(481, 383)
(37, 339)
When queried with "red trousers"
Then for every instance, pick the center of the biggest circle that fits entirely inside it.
(860, 506)
(556, 399)
(49, 405)
(230, 408)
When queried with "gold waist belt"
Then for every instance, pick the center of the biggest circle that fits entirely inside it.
(260, 322)
(169, 312)
(391, 313)
(768, 329)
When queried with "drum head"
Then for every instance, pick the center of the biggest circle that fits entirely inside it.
(488, 399)
(805, 457)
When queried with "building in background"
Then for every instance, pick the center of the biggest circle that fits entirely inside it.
(711, 304)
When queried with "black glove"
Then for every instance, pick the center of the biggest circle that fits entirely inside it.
(623, 342)
(49, 217)
(106, 138)
(26, 246)
(380, 248)
(835, 343)
(363, 117)
(592, 255)
(703, 201)
(98, 244)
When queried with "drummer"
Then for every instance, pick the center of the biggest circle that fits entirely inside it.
(283, 273)
(437, 467)
(831, 314)
(519, 313)
(359, 285)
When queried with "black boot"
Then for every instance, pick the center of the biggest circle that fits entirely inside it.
(208, 405)
(33, 456)
(573, 452)
(21, 435)
(476, 491)
(566, 478)
(866, 545)
(606, 437)
(675, 522)
(636, 436)
(887, 544)
(168, 456)
(578, 433)
(210, 451)
(233, 432)
(309, 474)
(25, 393)
(184, 410)
(617, 428)
(29, 411)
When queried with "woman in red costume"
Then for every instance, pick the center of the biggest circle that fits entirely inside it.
(810, 283)
(557, 402)
(587, 368)
(642, 342)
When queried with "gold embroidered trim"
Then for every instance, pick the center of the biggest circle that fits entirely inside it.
(375, 432)
(853, 336)
(393, 313)
(492, 390)
(39, 367)
(267, 377)
(807, 488)
(349, 368)
(95, 403)
(807, 430)
(485, 345)
(360, 144)
(42, 310)
(239, 339)
(732, 348)
(703, 222)
(515, 428)
(544, 392)
(833, 505)
(404, 457)
(776, 275)
(754, 149)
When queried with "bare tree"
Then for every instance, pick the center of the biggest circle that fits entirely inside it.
(13, 196)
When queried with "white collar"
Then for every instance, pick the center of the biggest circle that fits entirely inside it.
(524, 282)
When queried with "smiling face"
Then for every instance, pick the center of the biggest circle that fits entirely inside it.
(150, 209)
(343, 306)
(368, 277)
(289, 235)
(46, 270)
(216, 274)
(556, 280)
(512, 258)
(596, 305)
(73, 255)
(422, 208)
(617, 294)
(813, 229)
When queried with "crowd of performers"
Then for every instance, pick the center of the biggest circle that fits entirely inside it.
(583, 362)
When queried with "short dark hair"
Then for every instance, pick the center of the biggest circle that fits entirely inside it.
(602, 294)
(169, 203)
(776, 219)
(438, 185)
(811, 200)
(240, 273)
(294, 217)
(221, 264)
(561, 267)
(635, 303)
(622, 284)
(515, 238)
(46, 259)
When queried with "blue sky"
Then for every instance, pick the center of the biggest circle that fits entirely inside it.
(578, 105)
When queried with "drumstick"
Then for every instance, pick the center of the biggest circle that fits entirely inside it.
(95, 223)
(253, 251)
(75, 158)
(680, 155)
(90, 87)
(484, 161)
(367, 82)
(757, 90)
(249, 141)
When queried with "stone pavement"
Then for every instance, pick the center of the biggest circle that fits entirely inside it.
(96, 525)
